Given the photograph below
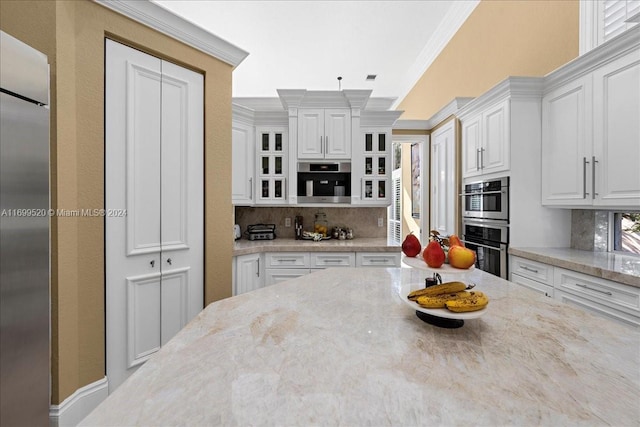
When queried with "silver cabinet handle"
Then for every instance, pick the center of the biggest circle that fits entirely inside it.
(378, 260)
(593, 177)
(326, 145)
(584, 177)
(169, 261)
(287, 260)
(593, 289)
(482, 158)
(332, 260)
(258, 269)
(250, 188)
(533, 270)
(477, 157)
(153, 263)
(321, 144)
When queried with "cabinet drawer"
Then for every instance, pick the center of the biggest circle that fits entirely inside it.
(287, 260)
(541, 288)
(277, 275)
(605, 292)
(377, 259)
(597, 309)
(333, 259)
(532, 270)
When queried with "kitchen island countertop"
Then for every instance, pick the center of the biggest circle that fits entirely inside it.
(341, 347)
(360, 244)
(606, 265)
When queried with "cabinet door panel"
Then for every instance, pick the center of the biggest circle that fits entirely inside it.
(616, 125)
(311, 134)
(443, 185)
(494, 153)
(470, 147)
(337, 123)
(566, 144)
(242, 147)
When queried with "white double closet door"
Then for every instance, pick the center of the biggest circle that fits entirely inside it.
(154, 200)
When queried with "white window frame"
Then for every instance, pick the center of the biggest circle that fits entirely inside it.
(592, 31)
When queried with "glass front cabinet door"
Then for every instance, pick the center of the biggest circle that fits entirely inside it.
(375, 182)
(272, 165)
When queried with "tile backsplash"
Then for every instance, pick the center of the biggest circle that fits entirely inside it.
(589, 229)
(363, 221)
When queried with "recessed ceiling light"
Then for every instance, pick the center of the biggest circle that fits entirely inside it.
(371, 77)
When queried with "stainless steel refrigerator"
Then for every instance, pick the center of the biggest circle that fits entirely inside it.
(24, 235)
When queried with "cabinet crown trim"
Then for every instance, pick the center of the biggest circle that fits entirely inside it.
(511, 87)
(379, 118)
(593, 59)
(302, 98)
(160, 19)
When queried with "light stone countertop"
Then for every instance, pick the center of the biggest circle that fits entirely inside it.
(611, 266)
(341, 347)
(361, 244)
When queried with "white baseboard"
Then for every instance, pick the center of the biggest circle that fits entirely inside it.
(77, 406)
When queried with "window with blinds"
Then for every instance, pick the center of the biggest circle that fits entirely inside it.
(615, 13)
(394, 229)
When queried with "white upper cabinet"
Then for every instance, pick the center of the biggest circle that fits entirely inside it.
(272, 158)
(566, 147)
(591, 135)
(485, 141)
(324, 133)
(243, 161)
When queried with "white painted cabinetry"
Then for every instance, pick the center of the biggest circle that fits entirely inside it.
(272, 164)
(243, 145)
(324, 133)
(378, 259)
(249, 273)
(613, 300)
(485, 141)
(532, 275)
(590, 134)
(444, 194)
(375, 145)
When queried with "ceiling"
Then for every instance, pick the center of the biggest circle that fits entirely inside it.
(309, 44)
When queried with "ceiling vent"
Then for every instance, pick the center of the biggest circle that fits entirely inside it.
(371, 77)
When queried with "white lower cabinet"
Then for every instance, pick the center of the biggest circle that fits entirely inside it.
(281, 266)
(614, 300)
(378, 259)
(249, 273)
(532, 275)
(333, 259)
(255, 271)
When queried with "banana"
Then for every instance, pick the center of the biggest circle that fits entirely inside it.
(443, 288)
(438, 301)
(476, 301)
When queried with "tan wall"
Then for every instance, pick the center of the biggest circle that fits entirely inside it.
(71, 34)
(499, 39)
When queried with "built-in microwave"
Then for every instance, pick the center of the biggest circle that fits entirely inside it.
(486, 199)
(324, 182)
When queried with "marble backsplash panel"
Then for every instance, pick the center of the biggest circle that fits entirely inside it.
(589, 229)
(363, 221)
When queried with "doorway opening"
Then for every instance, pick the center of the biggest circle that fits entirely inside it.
(409, 209)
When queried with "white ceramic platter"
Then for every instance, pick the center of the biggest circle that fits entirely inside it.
(405, 289)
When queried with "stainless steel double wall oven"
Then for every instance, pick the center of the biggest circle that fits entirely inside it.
(485, 223)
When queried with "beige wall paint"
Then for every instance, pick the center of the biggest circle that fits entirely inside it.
(499, 39)
(71, 34)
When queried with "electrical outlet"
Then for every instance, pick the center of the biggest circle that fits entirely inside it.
(287, 222)
(380, 222)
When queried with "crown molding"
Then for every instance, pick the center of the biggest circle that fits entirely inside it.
(379, 118)
(606, 52)
(302, 98)
(411, 125)
(162, 20)
(513, 87)
(242, 114)
(451, 108)
(259, 103)
(452, 21)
